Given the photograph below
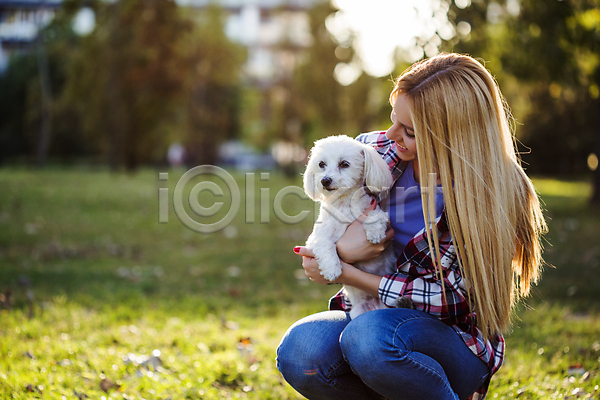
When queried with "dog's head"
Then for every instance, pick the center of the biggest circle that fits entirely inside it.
(340, 162)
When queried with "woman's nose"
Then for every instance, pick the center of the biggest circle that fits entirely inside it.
(393, 132)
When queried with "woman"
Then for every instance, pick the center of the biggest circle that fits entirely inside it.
(465, 255)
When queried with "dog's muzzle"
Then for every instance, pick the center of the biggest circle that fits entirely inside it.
(326, 182)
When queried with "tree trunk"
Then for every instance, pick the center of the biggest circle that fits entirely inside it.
(116, 102)
(595, 201)
(46, 103)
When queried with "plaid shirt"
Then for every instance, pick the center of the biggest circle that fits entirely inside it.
(418, 279)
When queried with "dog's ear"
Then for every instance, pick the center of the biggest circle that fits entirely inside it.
(378, 177)
(310, 188)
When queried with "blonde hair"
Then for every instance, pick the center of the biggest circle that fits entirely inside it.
(464, 136)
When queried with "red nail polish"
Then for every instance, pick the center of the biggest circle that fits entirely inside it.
(297, 249)
(373, 201)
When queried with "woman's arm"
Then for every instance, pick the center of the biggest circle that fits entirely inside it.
(446, 301)
(352, 247)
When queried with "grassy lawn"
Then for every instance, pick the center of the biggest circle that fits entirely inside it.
(100, 300)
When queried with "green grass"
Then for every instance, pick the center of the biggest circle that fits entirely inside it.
(108, 303)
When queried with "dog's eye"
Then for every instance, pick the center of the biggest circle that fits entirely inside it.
(322, 164)
(344, 164)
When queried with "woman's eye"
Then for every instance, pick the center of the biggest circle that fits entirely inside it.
(322, 164)
(344, 164)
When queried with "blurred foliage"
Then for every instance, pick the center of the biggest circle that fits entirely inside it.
(212, 85)
(130, 66)
(153, 73)
(21, 98)
(318, 102)
(307, 102)
(148, 75)
(146, 62)
(323, 105)
(546, 56)
(13, 139)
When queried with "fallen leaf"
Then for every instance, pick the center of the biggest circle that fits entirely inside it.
(33, 388)
(106, 385)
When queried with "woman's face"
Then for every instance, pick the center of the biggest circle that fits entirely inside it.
(402, 131)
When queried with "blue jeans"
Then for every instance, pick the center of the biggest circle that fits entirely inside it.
(394, 354)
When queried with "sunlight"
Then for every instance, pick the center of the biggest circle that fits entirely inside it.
(382, 26)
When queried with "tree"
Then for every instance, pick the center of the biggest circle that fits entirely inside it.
(32, 122)
(325, 106)
(152, 71)
(126, 78)
(552, 50)
(14, 83)
(320, 94)
(212, 86)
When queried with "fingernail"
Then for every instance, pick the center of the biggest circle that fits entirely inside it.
(373, 202)
(297, 249)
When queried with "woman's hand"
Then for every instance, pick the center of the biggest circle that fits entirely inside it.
(351, 275)
(311, 266)
(353, 246)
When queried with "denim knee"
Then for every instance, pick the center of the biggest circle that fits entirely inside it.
(299, 355)
(392, 349)
(363, 341)
(290, 355)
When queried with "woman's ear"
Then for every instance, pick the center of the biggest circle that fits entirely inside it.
(378, 177)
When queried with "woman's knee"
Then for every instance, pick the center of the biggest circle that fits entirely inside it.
(293, 359)
(371, 335)
(310, 345)
(294, 350)
(365, 339)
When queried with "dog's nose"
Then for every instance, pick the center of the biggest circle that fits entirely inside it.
(326, 181)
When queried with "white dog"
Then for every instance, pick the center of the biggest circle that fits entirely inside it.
(344, 175)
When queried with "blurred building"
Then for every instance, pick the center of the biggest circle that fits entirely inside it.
(273, 31)
(20, 21)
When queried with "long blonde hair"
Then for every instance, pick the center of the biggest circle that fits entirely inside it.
(464, 137)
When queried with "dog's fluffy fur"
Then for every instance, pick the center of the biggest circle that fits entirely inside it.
(344, 175)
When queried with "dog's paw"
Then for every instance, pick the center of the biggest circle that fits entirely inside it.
(375, 236)
(331, 275)
(331, 272)
(375, 233)
(377, 226)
